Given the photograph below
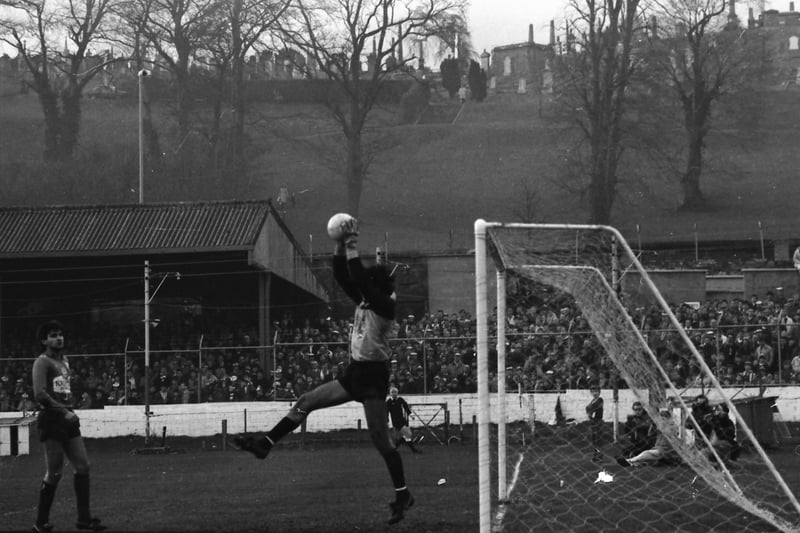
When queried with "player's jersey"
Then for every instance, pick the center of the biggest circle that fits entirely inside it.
(398, 411)
(369, 339)
(595, 409)
(57, 378)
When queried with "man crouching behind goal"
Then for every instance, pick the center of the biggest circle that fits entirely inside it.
(366, 378)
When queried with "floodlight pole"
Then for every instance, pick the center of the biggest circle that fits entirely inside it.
(142, 75)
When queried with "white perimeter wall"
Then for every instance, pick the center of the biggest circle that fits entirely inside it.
(199, 420)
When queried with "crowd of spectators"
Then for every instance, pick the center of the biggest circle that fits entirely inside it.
(748, 342)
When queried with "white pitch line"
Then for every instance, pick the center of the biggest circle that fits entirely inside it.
(501, 508)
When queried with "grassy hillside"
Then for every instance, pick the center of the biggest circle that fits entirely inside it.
(430, 182)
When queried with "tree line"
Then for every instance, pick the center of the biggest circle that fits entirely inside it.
(220, 35)
(632, 72)
(619, 79)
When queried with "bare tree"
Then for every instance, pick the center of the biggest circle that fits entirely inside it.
(128, 26)
(58, 73)
(337, 35)
(528, 202)
(705, 56)
(178, 32)
(247, 23)
(452, 34)
(594, 74)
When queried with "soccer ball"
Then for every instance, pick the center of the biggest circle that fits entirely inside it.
(335, 225)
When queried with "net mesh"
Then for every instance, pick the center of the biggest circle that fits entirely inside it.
(580, 311)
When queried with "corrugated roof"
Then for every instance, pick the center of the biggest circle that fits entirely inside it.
(82, 230)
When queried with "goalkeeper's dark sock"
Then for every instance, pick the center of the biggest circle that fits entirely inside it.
(81, 483)
(47, 494)
(281, 429)
(395, 464)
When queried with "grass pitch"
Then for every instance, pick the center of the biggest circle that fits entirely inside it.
(338, 483)
(320, 487)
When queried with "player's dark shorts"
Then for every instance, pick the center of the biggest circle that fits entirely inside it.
(366, 379)
(54, 426)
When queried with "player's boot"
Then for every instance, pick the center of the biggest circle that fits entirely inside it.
(399, 507)
(93, 524)
(42, 528)
(413, 448)
(258, 446)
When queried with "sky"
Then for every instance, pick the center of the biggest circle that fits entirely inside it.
(499, 22)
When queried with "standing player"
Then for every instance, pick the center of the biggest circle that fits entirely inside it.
(59, 430)
(594, 410)
(399, 411)
(366, 378)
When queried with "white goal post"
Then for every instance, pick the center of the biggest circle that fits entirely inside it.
(586, 263)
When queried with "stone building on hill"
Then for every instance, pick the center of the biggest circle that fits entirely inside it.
(516, 66)
(781, 32)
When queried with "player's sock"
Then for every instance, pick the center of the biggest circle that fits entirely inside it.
(395, 464)
(281, 429)
(81, 483)
(47, 494)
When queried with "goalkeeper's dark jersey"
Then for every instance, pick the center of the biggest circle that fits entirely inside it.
(398, 411)
(374, 313)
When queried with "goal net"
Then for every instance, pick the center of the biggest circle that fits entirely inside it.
(563, 309)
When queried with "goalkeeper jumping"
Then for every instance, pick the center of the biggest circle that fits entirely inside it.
(366, 378)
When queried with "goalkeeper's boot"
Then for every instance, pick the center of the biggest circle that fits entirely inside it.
(92, 524)
(42, 528)
(399, 507)
(258, 446)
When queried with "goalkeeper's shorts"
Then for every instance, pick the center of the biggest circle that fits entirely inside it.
(366, 379)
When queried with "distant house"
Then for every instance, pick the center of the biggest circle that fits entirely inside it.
(781, 31)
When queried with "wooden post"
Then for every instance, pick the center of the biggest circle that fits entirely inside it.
(224, 434)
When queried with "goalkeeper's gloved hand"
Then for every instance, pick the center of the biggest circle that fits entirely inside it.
(350, 230)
